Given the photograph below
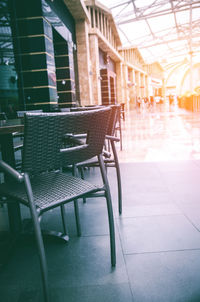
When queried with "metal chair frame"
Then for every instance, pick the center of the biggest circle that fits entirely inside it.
(42, 176)
(110, 158)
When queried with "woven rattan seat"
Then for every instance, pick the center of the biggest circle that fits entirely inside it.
(50, 189)
(42, 185)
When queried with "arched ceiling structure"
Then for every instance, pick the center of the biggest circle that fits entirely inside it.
(166, 31)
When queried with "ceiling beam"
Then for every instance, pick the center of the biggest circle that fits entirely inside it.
(159, 13)
(166, 41)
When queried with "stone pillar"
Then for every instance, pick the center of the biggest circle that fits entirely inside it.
(95, 72)
(65, 76)
(84, 64)
(119, 82)
(132, 87)
(125, 86)
(142, 85)
(34, 50)
(146, 85)
(137, 80)
(163, 89)
(105, 86)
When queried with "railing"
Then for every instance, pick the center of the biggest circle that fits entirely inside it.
(100, 21)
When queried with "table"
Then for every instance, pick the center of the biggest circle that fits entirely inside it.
(7, 128)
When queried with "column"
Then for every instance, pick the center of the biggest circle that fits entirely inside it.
(95, 72)
(35, 64)
(65, 77)
(132, 87)
(119, 82)
(84, 64)
(137, 80)
(125, 86)
(146, 86)
(142, 85)
(105, 87)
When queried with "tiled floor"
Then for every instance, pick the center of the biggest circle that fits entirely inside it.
(162, 134)
(157, 236)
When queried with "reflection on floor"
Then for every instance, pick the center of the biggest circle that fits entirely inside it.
(161, 134)
(158, 234)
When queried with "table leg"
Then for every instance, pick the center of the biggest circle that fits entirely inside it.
(7, 149)
(8, 156)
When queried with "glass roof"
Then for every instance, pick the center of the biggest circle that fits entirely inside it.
(166, 31)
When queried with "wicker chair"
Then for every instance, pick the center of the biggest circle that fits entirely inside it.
(22, 113)
(110, 158)
(43, 185)
(18, 137)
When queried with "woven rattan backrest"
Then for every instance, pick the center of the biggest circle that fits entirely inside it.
(115, 111)
(22, 113)
(86, 108)
(95, 124)
(42, 142)
(43, 138)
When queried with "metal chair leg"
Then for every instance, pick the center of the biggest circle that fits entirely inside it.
(63, 215)
(39, 240)
(77, 217)
(120, 133)
(118, 177)
(82, 177)
(76, 208)
(110, 211)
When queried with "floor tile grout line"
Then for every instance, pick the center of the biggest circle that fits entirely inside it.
(149, 216)
(161, 252)
(124, 259)
(188, 219)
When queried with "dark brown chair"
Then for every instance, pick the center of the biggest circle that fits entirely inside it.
(43, 185)
(22, 113)
(110, 156)
(18, 137)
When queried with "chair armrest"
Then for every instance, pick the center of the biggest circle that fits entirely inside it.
(74, 139)
(8, 170)
(72, 149)
(81, 135)
(106, 154)
(77, 136)
(113, 138)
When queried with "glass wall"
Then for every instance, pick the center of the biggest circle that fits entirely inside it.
(9, 99)
(31, 58)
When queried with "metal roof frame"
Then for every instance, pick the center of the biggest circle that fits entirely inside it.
(177, 40)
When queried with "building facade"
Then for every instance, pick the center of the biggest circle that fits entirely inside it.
(97, 47)
(65, 53)
(38, 55)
